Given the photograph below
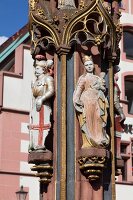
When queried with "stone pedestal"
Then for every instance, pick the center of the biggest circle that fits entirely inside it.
(92, 161)
(43, 165)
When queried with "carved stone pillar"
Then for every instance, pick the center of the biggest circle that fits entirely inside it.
(62, 52)
(59, 32)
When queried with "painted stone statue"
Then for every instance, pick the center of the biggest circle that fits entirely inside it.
(119, 114)
(91, 106)
(43, 90)
(117, 92)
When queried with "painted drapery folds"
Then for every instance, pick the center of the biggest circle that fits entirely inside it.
(82, 37)
(91, 106)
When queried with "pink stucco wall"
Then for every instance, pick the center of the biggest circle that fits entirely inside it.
(11, 136)
(126, 6)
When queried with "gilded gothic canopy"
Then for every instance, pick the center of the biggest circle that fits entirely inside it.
(66, 22)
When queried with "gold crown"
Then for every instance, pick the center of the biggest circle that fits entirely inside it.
(87, 58)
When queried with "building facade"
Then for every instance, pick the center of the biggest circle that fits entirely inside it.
(15, 97)
(125, 181)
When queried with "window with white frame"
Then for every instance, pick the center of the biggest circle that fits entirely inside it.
(125, 157)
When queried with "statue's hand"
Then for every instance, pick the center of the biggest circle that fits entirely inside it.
(122, 117)
(79, 106)
(103, 88)
(32, 84)
(38, 104)
(79, 103)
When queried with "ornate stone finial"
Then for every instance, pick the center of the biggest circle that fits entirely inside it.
(32, 4)
(82, 4)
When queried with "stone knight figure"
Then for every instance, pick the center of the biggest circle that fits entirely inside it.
(42, 90)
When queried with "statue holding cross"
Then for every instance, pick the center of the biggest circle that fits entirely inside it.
(42, 90)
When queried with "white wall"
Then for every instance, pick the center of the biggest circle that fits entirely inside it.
(17, 92)
(31, 182)
(124, 192)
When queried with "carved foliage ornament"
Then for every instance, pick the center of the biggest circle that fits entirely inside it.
(32, 4)
(40, 40)
(92, 167)
(91, 28)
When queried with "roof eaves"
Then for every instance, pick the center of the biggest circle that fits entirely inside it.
(13, 46)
